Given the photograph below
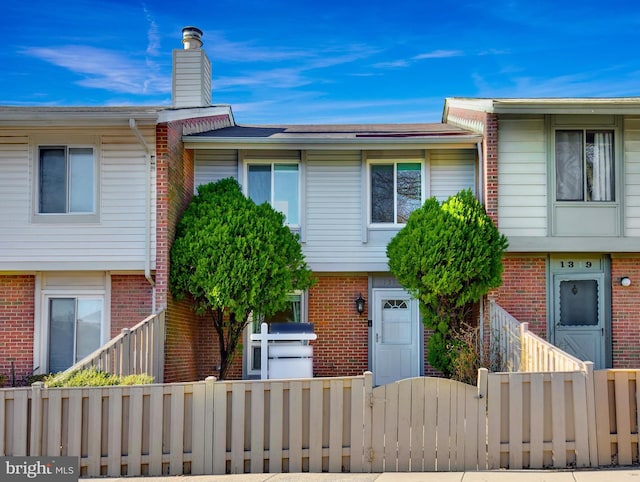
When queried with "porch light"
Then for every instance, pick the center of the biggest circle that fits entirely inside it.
(360, 304)
(625, 281)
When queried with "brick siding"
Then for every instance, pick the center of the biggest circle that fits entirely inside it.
(625, 316)
(131, 298)
(524, 291)
(342, 345)
(17, 298)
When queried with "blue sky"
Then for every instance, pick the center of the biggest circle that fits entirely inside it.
(321, 61)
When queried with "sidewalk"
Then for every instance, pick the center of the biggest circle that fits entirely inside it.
(605, 475)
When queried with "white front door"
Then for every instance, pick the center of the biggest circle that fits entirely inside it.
(396, 336)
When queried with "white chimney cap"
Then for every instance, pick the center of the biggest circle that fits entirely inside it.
(191, 38)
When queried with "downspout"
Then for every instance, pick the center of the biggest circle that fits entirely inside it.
(480, 173)
(147, 227)
(482, 200)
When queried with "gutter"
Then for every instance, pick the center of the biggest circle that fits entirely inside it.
(480, 174)
(204, 142)
(147, 234)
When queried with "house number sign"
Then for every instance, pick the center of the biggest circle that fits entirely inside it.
(576, 264)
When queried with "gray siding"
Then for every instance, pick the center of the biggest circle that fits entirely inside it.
(116, 241)
(335, 214)
(334, 227)
(213, 165)
(522, 177)
(191, 78)
(631, 176)
(451, 171)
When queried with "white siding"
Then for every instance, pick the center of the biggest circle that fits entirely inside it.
(631, 176)
(451, 171)
(522, 177)
(116, 241)
(213, 165)
(334, 214)
(191, 78)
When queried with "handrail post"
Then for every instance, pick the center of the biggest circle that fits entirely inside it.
(524, 353)
(264, 351)
(125, 363)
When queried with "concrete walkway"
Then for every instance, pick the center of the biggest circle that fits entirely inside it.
(609, 475)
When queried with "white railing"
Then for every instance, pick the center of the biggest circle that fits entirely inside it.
(134, 351)
(520, 350)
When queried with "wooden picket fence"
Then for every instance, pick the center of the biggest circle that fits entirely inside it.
(509, 420)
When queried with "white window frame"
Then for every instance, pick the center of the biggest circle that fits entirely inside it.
(41, 361)
(250, 345)
(272, 162)
(66, 142)
(395, 161)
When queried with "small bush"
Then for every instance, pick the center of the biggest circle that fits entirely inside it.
(468, 354)
(92, 377)
(140, 379)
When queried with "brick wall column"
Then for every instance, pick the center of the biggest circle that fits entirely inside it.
(17, 313)
(625, 322)
(342, 345)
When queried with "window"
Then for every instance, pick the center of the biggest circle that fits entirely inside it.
(291, 314)
(278, 185)
(75, 330)
(396, 191)
(66, 182)
(584, 165)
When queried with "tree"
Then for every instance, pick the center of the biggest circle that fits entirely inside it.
(234, 258)
(448, 256)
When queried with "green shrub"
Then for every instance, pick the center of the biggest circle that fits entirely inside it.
(448, 256)
(92, 377)
(140, 379)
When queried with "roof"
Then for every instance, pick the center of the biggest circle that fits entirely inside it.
(101, 115)
(548, 105)
(338, 134)
(34, 115)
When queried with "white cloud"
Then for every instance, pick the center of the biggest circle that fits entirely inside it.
(581, 84)
(104, 69)
(439, 54)
(153, 37)
(392, 64)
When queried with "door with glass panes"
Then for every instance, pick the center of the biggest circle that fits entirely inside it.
(396, 336)
(579, 316)
(75, 329)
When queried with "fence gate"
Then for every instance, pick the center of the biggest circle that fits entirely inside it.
(428, 424)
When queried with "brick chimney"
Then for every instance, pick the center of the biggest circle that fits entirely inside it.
(191, 72)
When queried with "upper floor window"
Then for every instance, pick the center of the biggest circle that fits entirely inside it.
(584, 165)
(279, 185)
(396, 191)
(66, 180)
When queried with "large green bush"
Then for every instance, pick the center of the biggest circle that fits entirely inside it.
(234, 258)
(448, 256)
